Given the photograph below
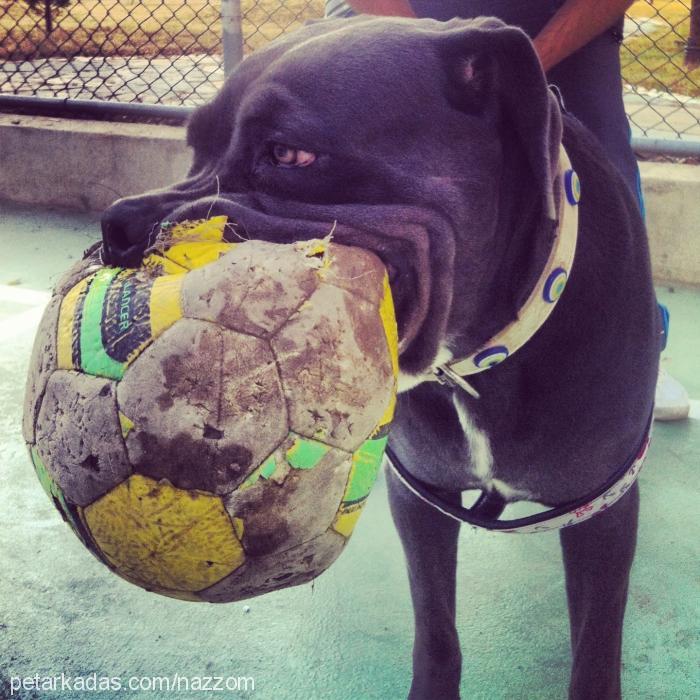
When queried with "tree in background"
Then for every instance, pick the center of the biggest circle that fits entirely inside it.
(49, 9)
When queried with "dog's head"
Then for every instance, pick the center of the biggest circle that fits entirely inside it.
(432, 144)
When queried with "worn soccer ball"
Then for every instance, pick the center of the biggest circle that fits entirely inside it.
(211, 423)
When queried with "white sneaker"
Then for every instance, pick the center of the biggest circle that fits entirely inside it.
(671, 401)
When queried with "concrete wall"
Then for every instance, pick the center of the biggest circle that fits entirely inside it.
(88, 164)
(85, 165)
(672, 196)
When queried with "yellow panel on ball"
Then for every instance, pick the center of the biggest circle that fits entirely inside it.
(164, 537)
(193, 244)
(347, 518)
(388, 316)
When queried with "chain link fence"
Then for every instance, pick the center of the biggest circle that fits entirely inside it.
(660, 56)
(169, 52)
(135, 51)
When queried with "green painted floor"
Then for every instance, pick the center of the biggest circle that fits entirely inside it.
(347, 636)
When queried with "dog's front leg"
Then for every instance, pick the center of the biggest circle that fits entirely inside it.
(430, 544)
(598, 556)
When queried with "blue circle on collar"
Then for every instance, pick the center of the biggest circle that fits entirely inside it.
(554, 285)
(572, 187)
(491, 356)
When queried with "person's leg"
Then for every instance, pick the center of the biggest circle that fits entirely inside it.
(591, 85)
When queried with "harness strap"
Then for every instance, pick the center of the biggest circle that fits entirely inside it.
(484, 514)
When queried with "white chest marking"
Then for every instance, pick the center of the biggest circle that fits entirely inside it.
(478, 441)
(482, 457)
(510, 493)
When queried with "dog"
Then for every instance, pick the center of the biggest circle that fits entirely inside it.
(437, 146)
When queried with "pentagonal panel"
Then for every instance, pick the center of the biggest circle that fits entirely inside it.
(78, 436)
(335, 367)
(253, 289)
(291, 568)
(294, 498)
(163, 537)
(41, 364)
(204, 407)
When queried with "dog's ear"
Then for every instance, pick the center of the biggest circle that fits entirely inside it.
(495, 65)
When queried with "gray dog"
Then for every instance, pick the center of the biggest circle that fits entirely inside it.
(437, 146)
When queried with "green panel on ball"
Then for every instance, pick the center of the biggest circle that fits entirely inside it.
(108, 319)
(53, 491)
(305, 453)
(365, 467)
(94, 357)
(265, 471)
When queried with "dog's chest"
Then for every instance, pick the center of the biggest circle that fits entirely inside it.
(481, 460)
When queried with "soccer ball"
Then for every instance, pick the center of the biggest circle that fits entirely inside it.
(211, 423)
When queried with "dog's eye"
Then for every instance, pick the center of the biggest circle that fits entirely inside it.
(289, 157)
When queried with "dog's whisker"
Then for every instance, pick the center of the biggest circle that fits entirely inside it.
(153, 234)
(232, 228)
(216, 196)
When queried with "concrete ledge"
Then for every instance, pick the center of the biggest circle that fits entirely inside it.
(86, 165)
(672, 197)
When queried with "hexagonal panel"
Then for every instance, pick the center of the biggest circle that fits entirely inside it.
(41, 364)
(291, 568)
(78, 436)
(253, 289)
(163, 537)
(335, 367)
(204, 407)
(107, 319)
(295, 501)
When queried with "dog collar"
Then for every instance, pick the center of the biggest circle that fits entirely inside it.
(542, 299)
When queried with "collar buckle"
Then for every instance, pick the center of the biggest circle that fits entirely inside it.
(448, 377)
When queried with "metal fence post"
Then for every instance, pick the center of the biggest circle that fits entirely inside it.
(231, 34)
(692, 48)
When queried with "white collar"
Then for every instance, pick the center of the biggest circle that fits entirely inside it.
(543, 298)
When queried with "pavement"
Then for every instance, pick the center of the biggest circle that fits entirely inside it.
(348, 635)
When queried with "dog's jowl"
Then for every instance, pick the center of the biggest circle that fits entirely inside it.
(440, 147)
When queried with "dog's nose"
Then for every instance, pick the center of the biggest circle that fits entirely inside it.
(126, 226)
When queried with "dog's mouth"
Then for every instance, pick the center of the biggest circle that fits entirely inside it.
(415, 245)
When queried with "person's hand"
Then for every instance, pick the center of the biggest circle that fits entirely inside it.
(574, 24)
